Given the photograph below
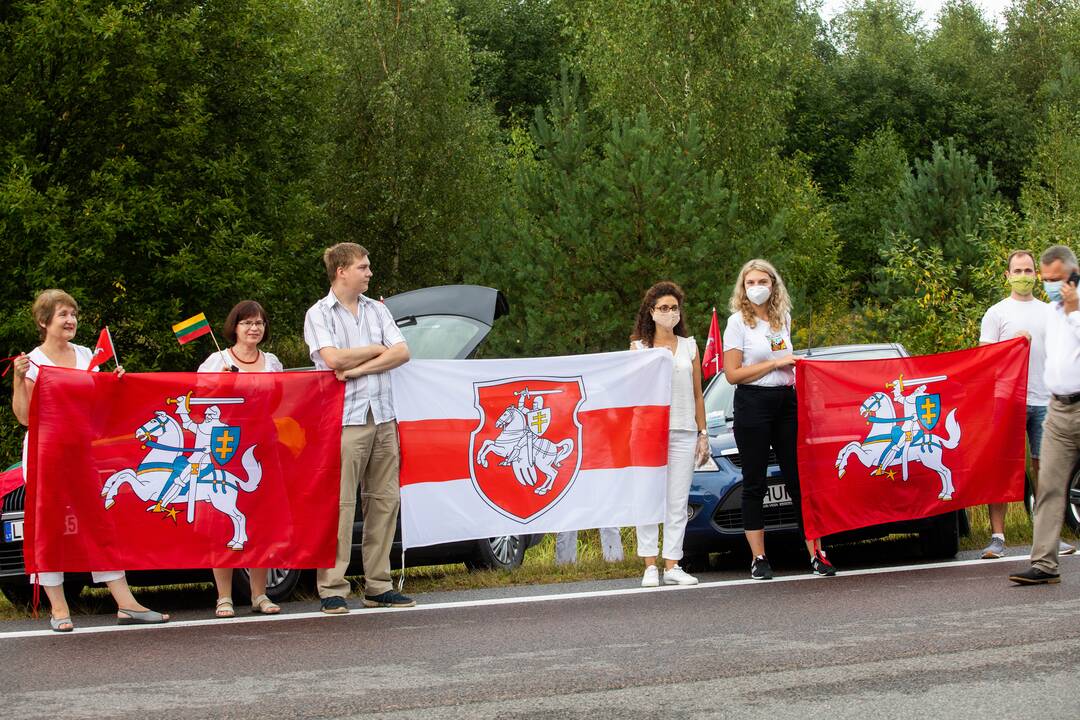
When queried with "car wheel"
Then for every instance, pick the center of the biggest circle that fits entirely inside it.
(280, 584)
(1072, 510)
(499, 553)
(1029, 495)
(19, 592)
(941, 538)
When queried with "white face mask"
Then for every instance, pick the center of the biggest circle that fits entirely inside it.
(666, 320)
(758, 294)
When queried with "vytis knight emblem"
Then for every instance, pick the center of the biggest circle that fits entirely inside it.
(185, 470)
(902, 431)
(532, 426)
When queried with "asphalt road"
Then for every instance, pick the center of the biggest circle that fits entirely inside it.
(954, 641)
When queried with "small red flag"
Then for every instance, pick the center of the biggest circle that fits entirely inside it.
(104, 350)
(711, 361)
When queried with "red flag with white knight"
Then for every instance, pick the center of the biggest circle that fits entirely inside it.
(182, 470)
(900, 439)
(712, 358)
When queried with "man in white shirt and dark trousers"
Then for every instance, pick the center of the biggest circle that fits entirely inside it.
(1021, 314)
(357, 338)
(1061, 433)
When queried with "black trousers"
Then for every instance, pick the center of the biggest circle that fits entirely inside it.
(766, 417)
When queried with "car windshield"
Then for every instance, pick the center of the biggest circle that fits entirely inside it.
(720, 395)
(440, 337)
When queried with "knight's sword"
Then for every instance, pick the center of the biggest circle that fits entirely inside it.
(915, 381)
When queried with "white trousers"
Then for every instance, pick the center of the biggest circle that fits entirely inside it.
(566, 546)
(52, 579)
(680, 473)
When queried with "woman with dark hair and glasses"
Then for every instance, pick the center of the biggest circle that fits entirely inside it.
(758, 361)
(246, 326)
(660, 324)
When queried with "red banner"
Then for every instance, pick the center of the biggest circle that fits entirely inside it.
(113, 461)
(888, 440)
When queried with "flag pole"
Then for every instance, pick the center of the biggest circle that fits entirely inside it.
(115, 355)
(228, 365)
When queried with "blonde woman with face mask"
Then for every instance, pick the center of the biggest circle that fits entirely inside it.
(758, 361)
(661, 324)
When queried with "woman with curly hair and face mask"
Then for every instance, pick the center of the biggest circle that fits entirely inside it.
(660, 324)
(758, 361)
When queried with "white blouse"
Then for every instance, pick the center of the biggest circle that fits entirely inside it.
(216, 363)
(683, 405)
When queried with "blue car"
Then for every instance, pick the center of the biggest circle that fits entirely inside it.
(715, 503)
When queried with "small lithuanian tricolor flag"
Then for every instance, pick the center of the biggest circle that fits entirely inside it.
(191, 328)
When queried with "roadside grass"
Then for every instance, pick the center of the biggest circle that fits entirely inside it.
(539, 568)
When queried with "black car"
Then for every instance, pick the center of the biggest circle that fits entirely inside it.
(445, 322)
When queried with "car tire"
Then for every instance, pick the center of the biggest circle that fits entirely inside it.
(940, 539)
(1072, 511)
(1029, 495)
(499, 553)
(280, 585)
(19, 592)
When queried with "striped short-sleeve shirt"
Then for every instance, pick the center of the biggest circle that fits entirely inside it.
(328, 323)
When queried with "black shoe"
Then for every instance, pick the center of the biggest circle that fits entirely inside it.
(1034, 576)
(390, 598)
(334, 605)
(760, 569)
(821, 565)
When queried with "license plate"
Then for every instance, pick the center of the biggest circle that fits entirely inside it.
(13, 530)
(777, 495)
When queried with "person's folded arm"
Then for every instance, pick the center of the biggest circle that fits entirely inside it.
(349, 358)
(394, 356)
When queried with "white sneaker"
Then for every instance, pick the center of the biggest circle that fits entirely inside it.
(651, 578)
(678, 576)
(1065, 548)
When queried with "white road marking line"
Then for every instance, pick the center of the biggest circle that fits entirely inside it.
(318, 615)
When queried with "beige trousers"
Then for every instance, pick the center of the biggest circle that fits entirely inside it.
(369, 462)
(1057, 456)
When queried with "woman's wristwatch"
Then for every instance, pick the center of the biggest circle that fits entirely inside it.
(703, 433)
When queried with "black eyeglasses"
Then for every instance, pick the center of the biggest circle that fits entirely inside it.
(666, 308)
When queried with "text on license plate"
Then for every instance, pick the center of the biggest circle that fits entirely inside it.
(13, 530)
(777, 495)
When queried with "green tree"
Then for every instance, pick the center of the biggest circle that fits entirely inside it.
(517, 46)
(415, 154)
(868, 201)
(590, 226)
(156, 161)
(940, 204)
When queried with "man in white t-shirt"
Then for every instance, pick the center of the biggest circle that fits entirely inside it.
(1020, 315)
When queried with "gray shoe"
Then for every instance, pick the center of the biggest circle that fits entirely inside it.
(996, 549)
(1065, 548)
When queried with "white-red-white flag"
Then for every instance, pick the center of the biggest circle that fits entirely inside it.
(508, 447)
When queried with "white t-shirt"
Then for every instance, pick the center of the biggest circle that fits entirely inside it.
(1004, 321)
(683, 405)
(1062, 351)
(216, 363)
(761, 343)
(83, 356)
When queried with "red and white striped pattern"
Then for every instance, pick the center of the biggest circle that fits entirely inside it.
(622, 461)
